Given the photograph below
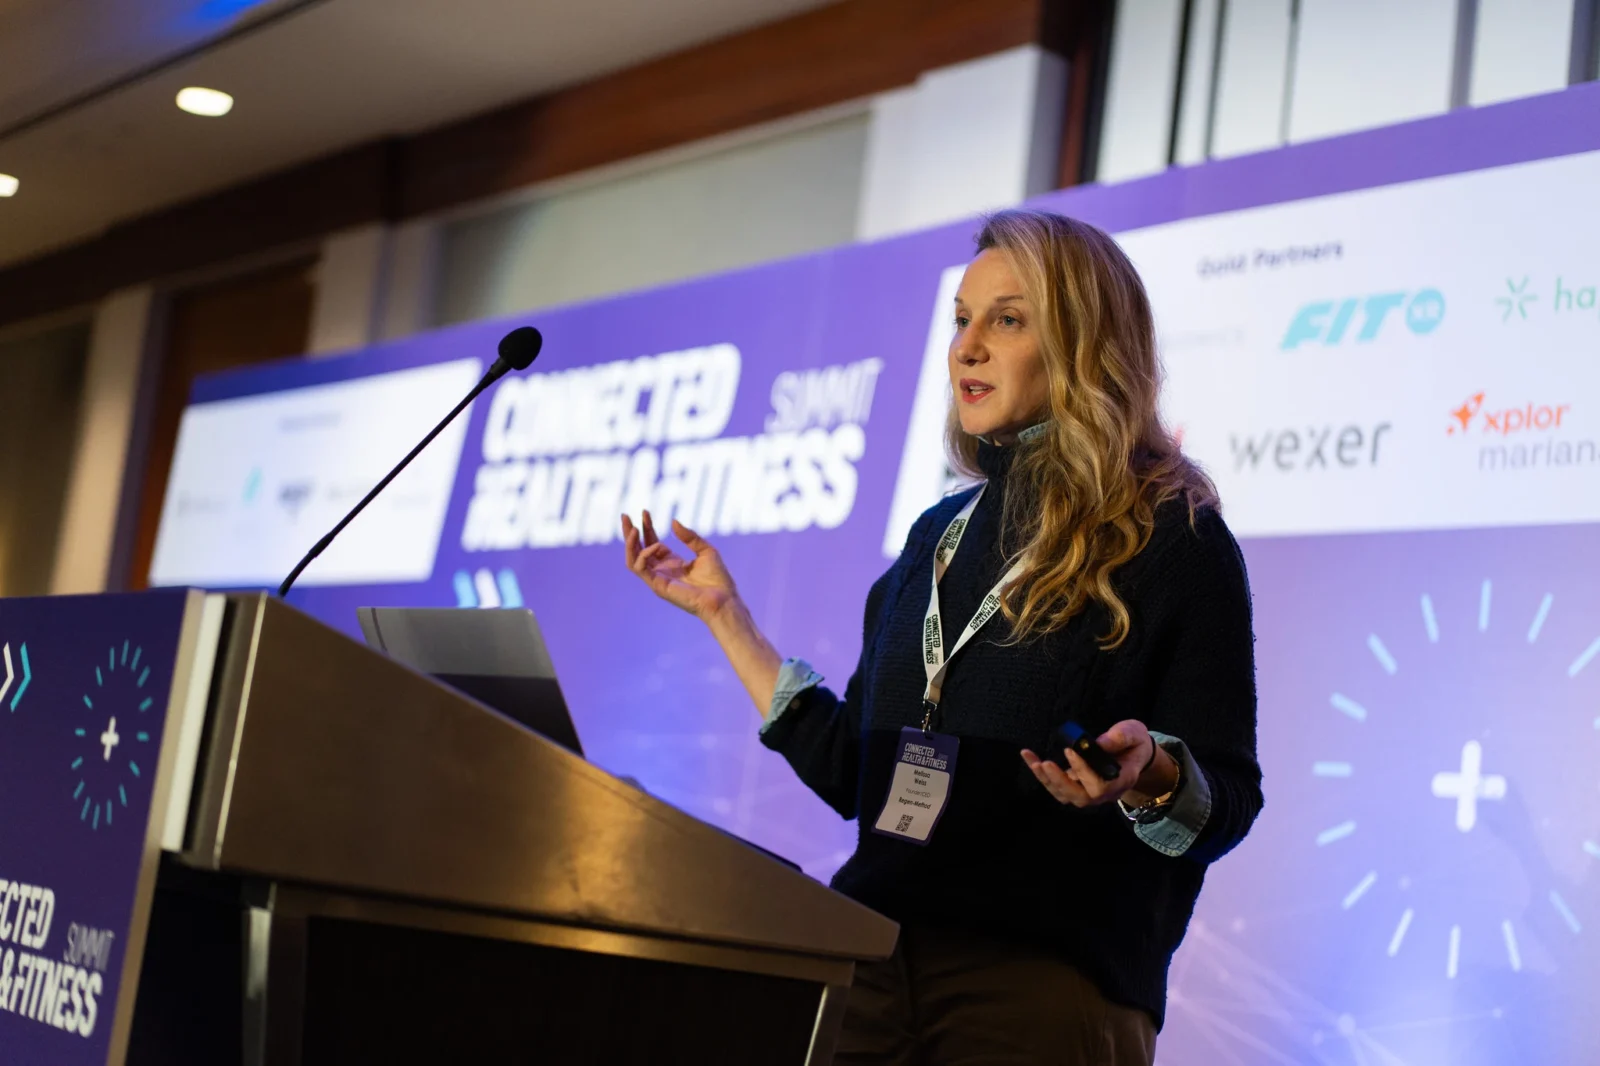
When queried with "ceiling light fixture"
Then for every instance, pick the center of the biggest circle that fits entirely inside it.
(8, 185)
(208, 102)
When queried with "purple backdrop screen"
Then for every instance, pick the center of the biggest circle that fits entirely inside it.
(1393, 399)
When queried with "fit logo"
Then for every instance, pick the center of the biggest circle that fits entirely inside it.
(1361, 318)
(1505, 421)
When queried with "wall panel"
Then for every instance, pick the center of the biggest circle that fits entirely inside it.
(1251, 85)
(782, 196)
(1192, 144)
(41, 392)
(1139, 92)
(1365, 63)
(1523, 48)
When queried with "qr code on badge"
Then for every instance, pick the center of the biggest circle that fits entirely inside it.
(905, 824)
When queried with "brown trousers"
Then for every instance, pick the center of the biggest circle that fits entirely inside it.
(948, 998)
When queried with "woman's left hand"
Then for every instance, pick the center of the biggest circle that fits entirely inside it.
(1147, 770)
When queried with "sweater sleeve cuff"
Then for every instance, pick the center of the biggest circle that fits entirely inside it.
(1191, 807)
(794, 677)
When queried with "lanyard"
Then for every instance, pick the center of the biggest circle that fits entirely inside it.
(934, 661)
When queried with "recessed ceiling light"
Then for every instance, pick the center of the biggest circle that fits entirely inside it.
(208, 102)
(8, 185)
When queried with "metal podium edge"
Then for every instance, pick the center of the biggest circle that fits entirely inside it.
(329, 764)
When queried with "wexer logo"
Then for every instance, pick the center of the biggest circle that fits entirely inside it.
(1362, 318)
(1313, 448)
(565, 453)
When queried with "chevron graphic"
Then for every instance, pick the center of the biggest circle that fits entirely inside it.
(27, 674)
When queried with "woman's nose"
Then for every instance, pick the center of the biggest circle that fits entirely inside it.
(968, 348)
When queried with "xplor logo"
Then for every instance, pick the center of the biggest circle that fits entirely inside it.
(1504, 421)
(1361, 319)
(1521, 436)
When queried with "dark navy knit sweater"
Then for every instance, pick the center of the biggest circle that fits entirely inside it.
(1007, 859)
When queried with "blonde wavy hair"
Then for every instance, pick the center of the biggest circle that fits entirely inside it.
(1081, 498)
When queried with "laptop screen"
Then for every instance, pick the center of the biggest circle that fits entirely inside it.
(497, 657)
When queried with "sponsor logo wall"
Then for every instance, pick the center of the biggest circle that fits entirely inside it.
(1383, 348)
(257, 478)
(1313, 388)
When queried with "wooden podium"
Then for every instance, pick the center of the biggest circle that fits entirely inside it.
(374, 868)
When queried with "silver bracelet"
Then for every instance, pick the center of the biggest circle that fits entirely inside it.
(1153, 811)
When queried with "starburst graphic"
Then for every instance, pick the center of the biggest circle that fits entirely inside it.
(1516, 301)
(1466, 786)
(113, 757)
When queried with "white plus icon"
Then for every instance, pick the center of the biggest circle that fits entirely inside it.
(1469, 786)
(109, 738)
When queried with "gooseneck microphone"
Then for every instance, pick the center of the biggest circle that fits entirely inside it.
(518, 349)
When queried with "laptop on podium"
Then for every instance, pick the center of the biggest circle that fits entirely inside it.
(496, 656)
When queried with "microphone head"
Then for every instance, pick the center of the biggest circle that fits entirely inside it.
(520, 347)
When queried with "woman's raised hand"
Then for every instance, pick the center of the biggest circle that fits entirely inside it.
(701, 585)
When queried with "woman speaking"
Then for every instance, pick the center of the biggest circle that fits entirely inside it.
(1087, 586)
